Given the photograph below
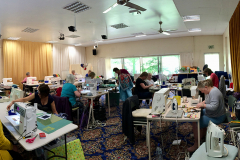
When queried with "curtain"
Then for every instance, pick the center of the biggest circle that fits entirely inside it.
(186, 59)
(1, 63)
(22, 56)
(234, 34)
(101, 70)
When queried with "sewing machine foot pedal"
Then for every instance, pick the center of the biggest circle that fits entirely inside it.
(176, 142)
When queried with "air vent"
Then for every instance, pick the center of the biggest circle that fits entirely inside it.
(29, 30)
(72, 36)
(120, 25)
(138, 34)
(77, 7)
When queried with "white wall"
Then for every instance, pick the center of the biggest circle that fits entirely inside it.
(197, 45)
(226, 51)
(1, 63)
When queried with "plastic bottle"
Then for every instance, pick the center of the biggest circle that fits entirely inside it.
(159, 155)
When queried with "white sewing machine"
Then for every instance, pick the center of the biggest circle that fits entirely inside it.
(56, 79)
(195, 96)
(30, 80)
(160, 101)
(215, 140)
(92, 87)
(78, 76)
(48, 78)
(25, 122)
(4, 99)
(5, 81)
(188, 82)
(16, 94)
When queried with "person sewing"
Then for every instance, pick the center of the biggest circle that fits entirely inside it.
(73, 72)
(69, 90)
(142, 89)
(213, 76)
(88, 73)
(92, 75)
(25, 79)
(213, 109)
(149, 80)
(41, 97)
(8, 151)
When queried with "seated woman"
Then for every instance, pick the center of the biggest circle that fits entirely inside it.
(69, 90)
(213, 109)
(41, 97)
(88, 73)
(213, 76)
(142, 89)
(7, 150)
(92, 75)
(149, 80)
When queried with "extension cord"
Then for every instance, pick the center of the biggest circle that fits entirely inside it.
(176, 142)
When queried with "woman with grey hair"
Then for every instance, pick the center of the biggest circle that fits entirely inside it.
(69, 90)
(25, 79)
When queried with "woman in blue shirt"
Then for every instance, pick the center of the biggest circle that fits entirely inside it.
(69, 90)
(42, 97)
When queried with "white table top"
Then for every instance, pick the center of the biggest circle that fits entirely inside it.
(183, 119)
(99, 94)
(38, 142)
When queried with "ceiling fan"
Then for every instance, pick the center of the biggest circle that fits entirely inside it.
(166, 32)
(125, 3)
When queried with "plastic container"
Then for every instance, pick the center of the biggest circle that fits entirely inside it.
(159, 155)
(46, 81)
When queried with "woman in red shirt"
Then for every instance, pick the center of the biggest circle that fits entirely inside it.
(212, 75)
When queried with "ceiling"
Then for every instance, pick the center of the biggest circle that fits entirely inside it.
(50, 18)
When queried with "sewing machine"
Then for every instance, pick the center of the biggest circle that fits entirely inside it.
(56, 79)
(5, 81)
(188, 82)
(90, 86)
(160, 101)
(78, 77)
(16, 94)
(48, 78)
(25, 122)
(195, 96)
(4, 99)
(30, 80)
(215, 140)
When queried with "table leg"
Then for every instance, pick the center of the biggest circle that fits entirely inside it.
(108, 105)
(90, 110)
(65, 136)
(93, 119)
(198, 133)
(148, 145)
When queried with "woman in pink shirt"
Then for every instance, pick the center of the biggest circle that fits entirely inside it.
(25, 79)
(212, 75)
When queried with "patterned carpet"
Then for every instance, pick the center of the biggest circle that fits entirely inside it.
(107, 142)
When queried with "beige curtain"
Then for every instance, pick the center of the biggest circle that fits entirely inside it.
(234, 34)
(1, 63)
(186, 59)
(22, 56)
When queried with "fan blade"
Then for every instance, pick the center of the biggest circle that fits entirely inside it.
(166, 33)
(110, 8)
(131, 5)
(170, 30)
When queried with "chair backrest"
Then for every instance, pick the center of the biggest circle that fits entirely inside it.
(231, 102)
(186, 92)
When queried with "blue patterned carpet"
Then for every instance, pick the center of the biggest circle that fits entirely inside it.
(107, 142)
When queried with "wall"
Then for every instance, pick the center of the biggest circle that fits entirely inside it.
(226, 51)
(197, 45)
(1, 62)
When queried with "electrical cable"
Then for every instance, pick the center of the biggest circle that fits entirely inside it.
(21, 136)
(225, 155)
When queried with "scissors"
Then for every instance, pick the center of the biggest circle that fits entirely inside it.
(31, 140)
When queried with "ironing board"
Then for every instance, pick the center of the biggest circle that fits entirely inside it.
(201, 153)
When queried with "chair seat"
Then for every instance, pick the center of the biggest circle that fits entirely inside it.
(141, 113)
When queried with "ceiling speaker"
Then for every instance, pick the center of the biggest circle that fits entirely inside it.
(104, 36)
(72, 28)
(94, 51)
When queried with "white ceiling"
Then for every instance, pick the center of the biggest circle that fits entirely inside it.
(49, 17)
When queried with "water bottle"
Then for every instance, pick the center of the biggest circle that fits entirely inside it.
(159, 152)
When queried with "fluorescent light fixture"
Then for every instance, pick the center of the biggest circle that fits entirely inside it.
(79, 44)
(14, 38)
(52, 41)
(191, 18)
(141, 35)
(195, 30)
(115, 5)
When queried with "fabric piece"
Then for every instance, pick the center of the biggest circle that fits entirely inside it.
(59, 92)
(21, 57)
(215, 80)
(68, 91)
(215, 103)
(234, 34)
(51, 120)
(53, 126)
(38, 101)
(125, 86)
(74, 151)
(63, 106)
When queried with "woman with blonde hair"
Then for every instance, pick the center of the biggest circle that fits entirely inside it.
(213, 109)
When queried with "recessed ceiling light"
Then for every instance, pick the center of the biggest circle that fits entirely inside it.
(78, 44)
(191, 18)
(52, 41)
(195, 30)
(141, 35)
(14, 38)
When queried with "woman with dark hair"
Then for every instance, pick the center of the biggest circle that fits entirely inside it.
(41, 97)
(142, 89)
(213, 76)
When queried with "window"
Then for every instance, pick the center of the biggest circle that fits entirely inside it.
(150, 65)
(212, 60)
(132, 65)
(170, 64)
(116, 63)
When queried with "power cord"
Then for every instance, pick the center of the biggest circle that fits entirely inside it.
(21, 136)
